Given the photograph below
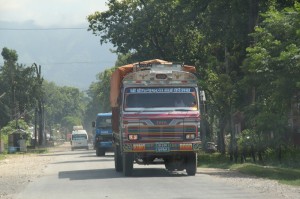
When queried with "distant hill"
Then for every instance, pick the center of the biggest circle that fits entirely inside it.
(69, 57)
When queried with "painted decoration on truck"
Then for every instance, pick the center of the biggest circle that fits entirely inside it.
(160, 98)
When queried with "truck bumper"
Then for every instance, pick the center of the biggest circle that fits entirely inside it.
(162, 147)
(107, 145)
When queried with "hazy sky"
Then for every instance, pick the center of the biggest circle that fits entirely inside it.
(62, 52)
(47, 13)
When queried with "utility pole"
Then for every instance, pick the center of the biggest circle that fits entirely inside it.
(2, 95)
(40, 104)
(35, 127)
(203, 116)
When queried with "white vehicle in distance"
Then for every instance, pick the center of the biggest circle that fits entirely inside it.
(79, 139)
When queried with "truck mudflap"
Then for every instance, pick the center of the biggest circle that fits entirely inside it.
(161, 147)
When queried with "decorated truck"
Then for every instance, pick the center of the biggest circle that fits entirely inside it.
(155, 116)
(102, 133)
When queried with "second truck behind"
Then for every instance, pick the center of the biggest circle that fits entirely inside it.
(103, 133)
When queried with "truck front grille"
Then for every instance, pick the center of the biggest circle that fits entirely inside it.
(161, 133)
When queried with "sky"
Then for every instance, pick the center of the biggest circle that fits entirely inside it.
(50, 13)
(57, 34)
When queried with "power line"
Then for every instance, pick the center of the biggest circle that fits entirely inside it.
(72, 63)
(17, 29)
(69, 63)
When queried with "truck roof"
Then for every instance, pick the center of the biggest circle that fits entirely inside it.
(77, 127)
(81, 131)
(104, 114)
(155, 64)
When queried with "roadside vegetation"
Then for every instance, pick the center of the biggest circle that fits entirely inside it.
(246, 56)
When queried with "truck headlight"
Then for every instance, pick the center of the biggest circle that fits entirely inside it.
(190, 136)
(133, 137)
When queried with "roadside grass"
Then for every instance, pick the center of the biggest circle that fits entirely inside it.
(290, 176)
(213, 160)
(38, 150)
(2, 157)
(29, 151)
(279, 172)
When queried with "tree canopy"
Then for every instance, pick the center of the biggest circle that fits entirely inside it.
(26, 96)
(246, 53)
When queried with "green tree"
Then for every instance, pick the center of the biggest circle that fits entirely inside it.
(213, 35)
(64, 106)
(272, 71)
(147, 29)
(18, 84)
(99, 94)
(209, 34)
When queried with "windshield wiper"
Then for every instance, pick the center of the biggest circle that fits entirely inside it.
(181, 109)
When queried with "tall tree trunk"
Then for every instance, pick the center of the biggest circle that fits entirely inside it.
(40, 120)
(253, 14)
(221, 139)
(35, 126)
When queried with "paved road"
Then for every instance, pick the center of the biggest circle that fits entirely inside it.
(81, 174)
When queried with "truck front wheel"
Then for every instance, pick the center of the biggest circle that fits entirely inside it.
(127, 164)
(118, 159)
(100, 152)
(191, 164)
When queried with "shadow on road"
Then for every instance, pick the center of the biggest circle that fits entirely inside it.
(156, 172)
(91, 156)
(68, 153)
(89, 174)
(82, 161)
(111, 173)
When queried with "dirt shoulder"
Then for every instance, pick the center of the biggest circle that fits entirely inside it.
(17, 170)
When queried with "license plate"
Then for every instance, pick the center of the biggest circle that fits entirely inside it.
(162, 147)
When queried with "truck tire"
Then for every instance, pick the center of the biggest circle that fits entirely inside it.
(118, 159)
(168, 165)
(127, 164)
(191, 164)
(100, 152)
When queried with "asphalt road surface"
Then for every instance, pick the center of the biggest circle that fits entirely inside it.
(81, 174)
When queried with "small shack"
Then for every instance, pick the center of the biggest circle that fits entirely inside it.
(17, 141)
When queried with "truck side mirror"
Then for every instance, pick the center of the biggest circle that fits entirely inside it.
(93, 124)
(202, 96)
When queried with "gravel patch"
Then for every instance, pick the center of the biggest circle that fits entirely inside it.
(18, 170)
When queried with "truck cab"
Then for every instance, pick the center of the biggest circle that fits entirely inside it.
(103, 133)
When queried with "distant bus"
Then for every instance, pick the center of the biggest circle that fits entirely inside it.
(79, 139)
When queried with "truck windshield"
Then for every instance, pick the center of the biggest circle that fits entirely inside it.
(79, 137)
(103, 121)
(160, 98)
